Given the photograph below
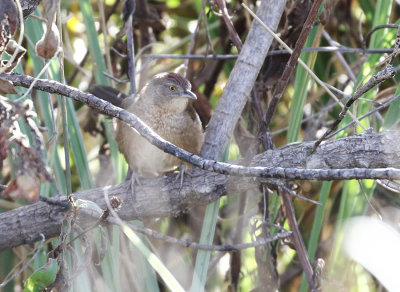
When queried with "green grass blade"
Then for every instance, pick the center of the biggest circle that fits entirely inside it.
(353, 201)
(146, 277)
(63, 106)
(299, 98)
(93, 42)
(97, 55)
(301, 88)
(203, 256)
(34, 31)
(207, 236)
(110, 266)
(153, 260)
(78, 148)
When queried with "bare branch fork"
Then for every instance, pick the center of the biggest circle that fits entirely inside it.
(205, 164)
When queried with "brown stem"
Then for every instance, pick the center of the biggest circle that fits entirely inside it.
(228, 22)
(290, 66)
(296, 237)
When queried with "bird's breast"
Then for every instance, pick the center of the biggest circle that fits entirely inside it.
(148, 160)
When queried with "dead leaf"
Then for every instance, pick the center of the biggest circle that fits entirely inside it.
(6, 87)
(9, 22)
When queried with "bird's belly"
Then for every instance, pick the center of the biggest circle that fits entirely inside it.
(144, 158)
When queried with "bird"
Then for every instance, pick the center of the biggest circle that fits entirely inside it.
(165, 104)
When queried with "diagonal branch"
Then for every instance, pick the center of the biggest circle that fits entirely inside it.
(205, 164)
(291, 64)
(229, 25)
(241, 80)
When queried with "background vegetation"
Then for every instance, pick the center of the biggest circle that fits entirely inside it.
(80, 152)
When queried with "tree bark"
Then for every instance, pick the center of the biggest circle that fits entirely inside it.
(241, 80)
(162, 196)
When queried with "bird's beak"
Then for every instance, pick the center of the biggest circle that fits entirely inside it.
(189, 94)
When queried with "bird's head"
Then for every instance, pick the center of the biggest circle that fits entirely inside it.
(169, 90)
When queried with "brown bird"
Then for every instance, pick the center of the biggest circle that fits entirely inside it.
(165, 105)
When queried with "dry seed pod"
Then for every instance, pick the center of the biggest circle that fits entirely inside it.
(47, 46)
(6, 87)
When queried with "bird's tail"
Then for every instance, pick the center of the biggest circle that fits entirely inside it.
(108, 93)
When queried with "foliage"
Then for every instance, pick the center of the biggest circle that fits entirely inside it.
(42, 278)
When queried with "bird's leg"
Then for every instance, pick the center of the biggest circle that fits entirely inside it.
(181, 174)
(134, 177)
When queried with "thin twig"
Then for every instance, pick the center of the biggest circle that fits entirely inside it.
(343, 50)
(63, 105)
(339, 55)
(292, 193)
(368, 200)
(296, 237)
(294, 58)
(233, 35)
(368, 35)
(39, 248)
(105, 37)
(194, 36)
(195, 245)
(115, 78)
(131, 54)
(42, 71)
(383, 106)
(395, 47)
(375, 80)
(312, 74)
(393, 187)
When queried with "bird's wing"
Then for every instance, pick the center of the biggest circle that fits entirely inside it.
(190, 110)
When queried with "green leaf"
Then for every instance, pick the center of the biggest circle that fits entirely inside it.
(88, 205)
(207, 236)
(42, 277)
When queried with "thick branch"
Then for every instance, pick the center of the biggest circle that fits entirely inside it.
(161, 196)
(241, 80)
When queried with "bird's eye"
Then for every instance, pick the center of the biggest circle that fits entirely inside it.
(172, 88)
